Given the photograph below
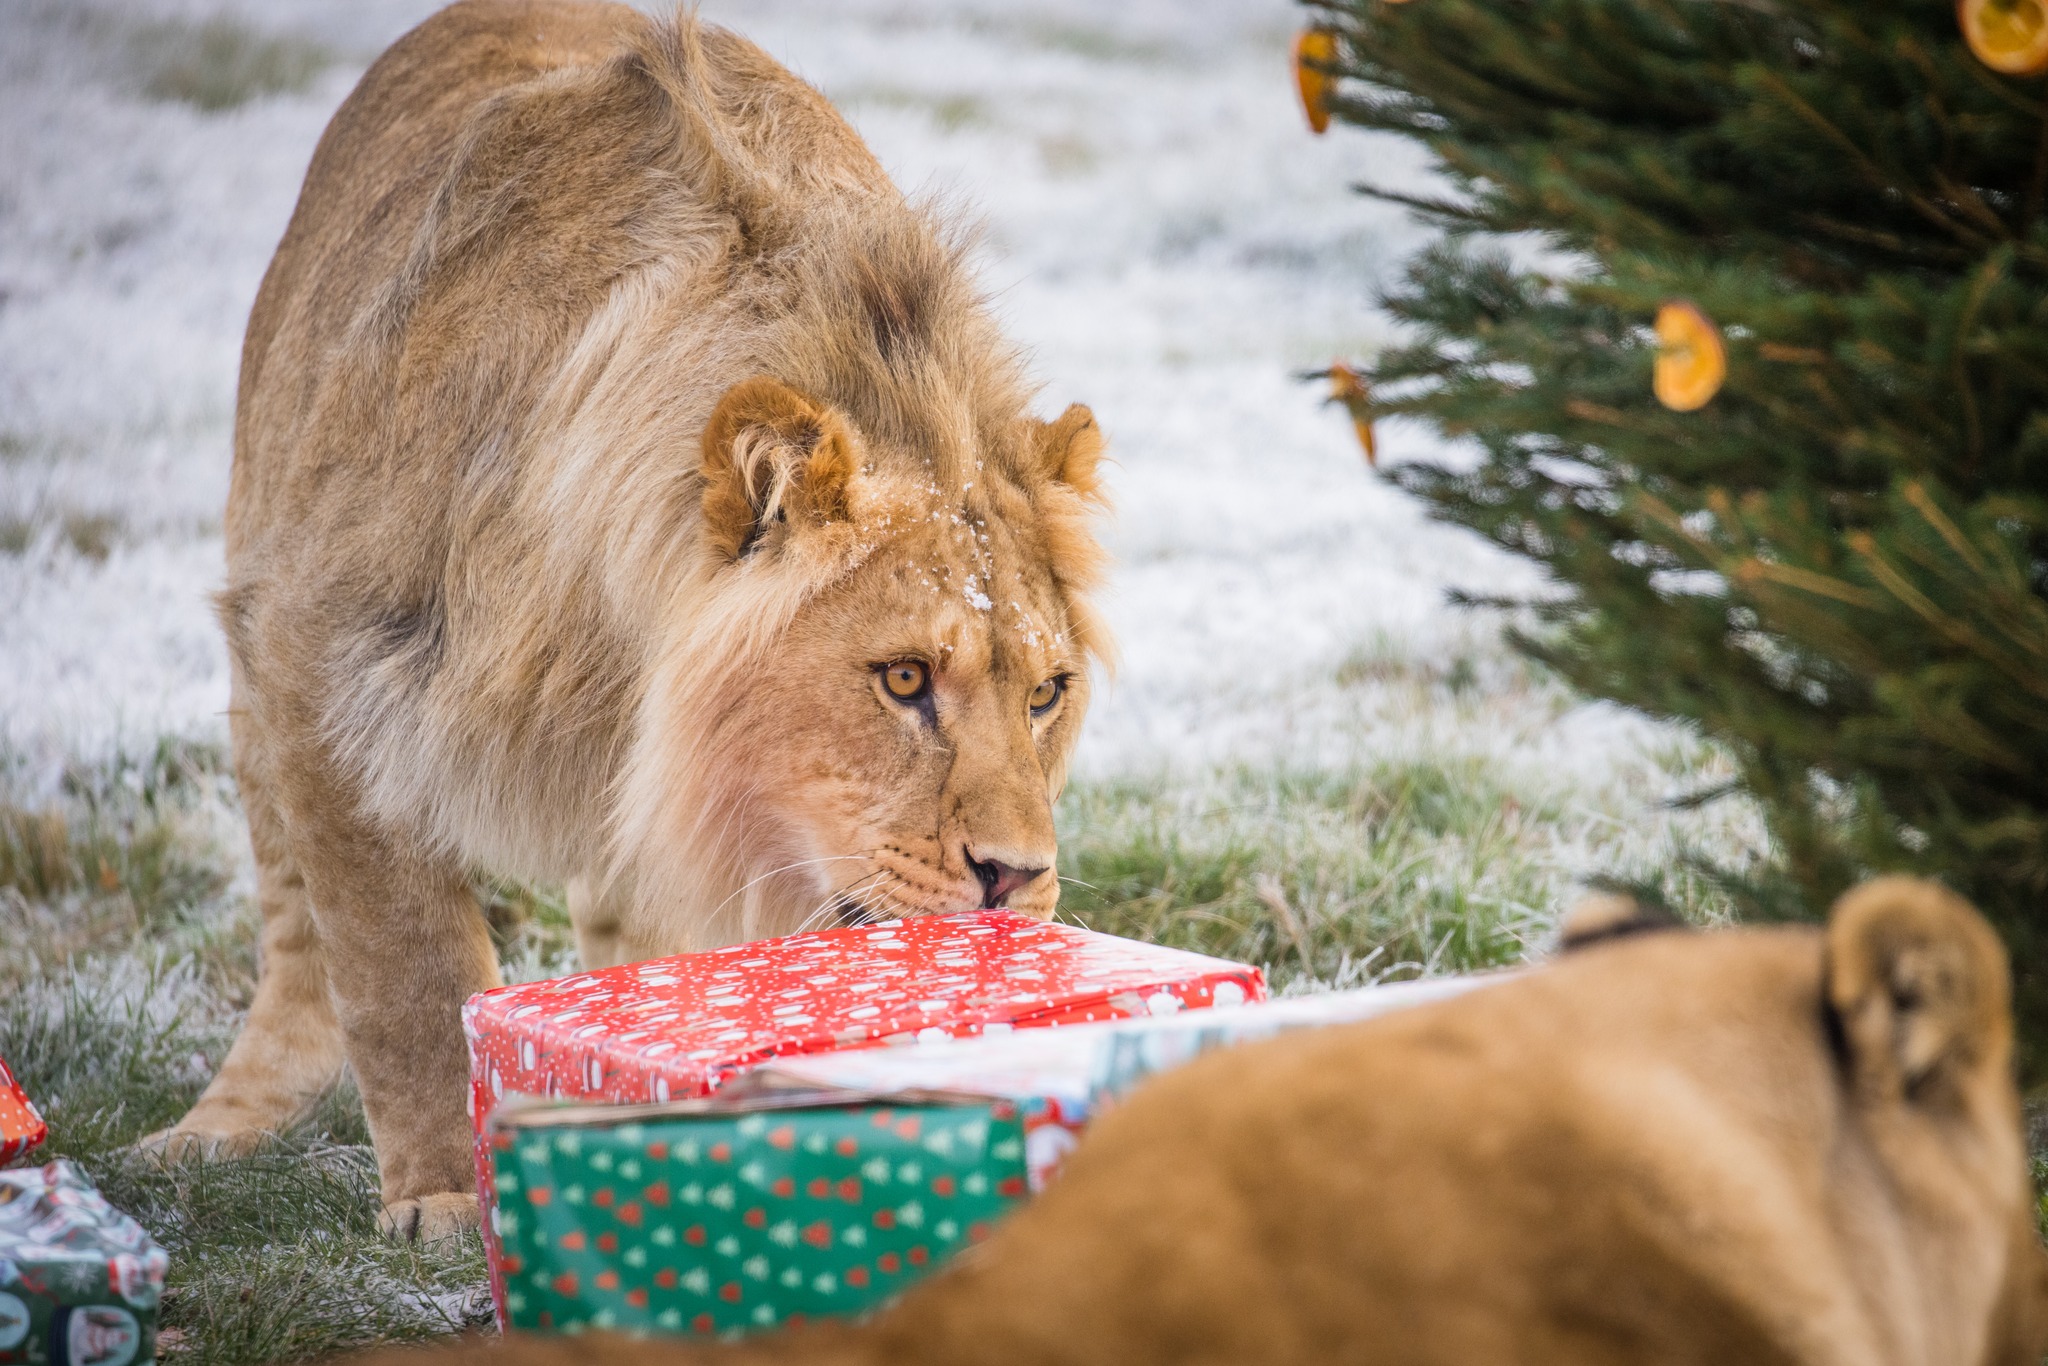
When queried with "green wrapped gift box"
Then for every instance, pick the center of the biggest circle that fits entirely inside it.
(79, 1280)
(699, 1218)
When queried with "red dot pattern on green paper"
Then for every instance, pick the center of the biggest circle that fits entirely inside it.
(721, 1224)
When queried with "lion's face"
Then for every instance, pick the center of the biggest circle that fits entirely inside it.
(894, 746)
(917, 724)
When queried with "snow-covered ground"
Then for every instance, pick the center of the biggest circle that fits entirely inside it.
(1162, 232)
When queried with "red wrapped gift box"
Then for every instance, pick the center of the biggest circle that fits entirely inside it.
(681, 1027)
(21, 1128)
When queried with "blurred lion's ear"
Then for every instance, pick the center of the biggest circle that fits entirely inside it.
(1920, 986)
(1610, 915)
(772, 455)
(1069, 449)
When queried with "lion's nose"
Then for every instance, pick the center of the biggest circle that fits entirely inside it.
(998, 880)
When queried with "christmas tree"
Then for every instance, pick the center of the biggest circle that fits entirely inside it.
(1742, 311)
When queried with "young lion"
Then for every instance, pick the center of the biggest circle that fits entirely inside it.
(629, 490)
(1779, 1147)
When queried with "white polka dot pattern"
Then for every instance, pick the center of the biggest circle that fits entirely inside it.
(683, 1026)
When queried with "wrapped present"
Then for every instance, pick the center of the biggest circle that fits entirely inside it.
(21, 1128)
(696, 1219)
(681, 1027)
(79, 1280)
(1059, 1080)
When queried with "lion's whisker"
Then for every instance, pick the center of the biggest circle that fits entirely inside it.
(839, 896)
(785, 868)
(874, 900)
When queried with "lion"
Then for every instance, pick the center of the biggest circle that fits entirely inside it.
(1779, 1145)
(631, 491)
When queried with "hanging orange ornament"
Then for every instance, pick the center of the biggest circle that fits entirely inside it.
(1348, 389)
(1314, 45)
(1691, 362)
(2009, 36)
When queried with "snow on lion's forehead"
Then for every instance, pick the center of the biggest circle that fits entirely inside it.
(961, 547)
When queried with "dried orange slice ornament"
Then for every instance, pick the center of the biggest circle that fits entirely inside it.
(1691, 362)
(2009, 36)
(1317, 45)
(1348, 389)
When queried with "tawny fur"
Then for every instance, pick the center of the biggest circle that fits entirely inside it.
(607, 419)
(1771, 1146)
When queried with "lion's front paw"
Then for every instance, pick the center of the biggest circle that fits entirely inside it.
(186, 1141)
(430, 1217)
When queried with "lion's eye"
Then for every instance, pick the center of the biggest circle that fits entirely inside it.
(906, 679)
(1045, 694)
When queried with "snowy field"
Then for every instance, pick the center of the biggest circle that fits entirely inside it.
(1162, 233)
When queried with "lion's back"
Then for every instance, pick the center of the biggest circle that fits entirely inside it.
(374, 175)
(491, 178)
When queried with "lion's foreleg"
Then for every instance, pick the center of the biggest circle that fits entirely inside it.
(406, 945)
(289, 1052)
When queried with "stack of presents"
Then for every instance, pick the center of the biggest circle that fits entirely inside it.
(721, 1142)
(717, 1143)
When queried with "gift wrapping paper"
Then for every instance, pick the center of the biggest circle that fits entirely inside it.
(79, 1280)
(714, 1224)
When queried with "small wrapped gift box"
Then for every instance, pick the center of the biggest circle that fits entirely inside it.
(21, 1128)
(661, 1219)
(681, 1027)
(79, 1280)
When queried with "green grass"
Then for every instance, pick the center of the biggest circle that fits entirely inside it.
(1328, 878)
(1383, 661)
(126, 956)
(221, 62)
(132, 853)
(274, 1256)
(948, 113)
(1087, 41)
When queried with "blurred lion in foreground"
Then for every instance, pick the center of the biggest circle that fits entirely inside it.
(630, 491)
(1758, 1146)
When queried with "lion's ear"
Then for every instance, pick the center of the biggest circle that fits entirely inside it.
(1610, 915)
(1069, 448)
(1921, 988)
(772, 455)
